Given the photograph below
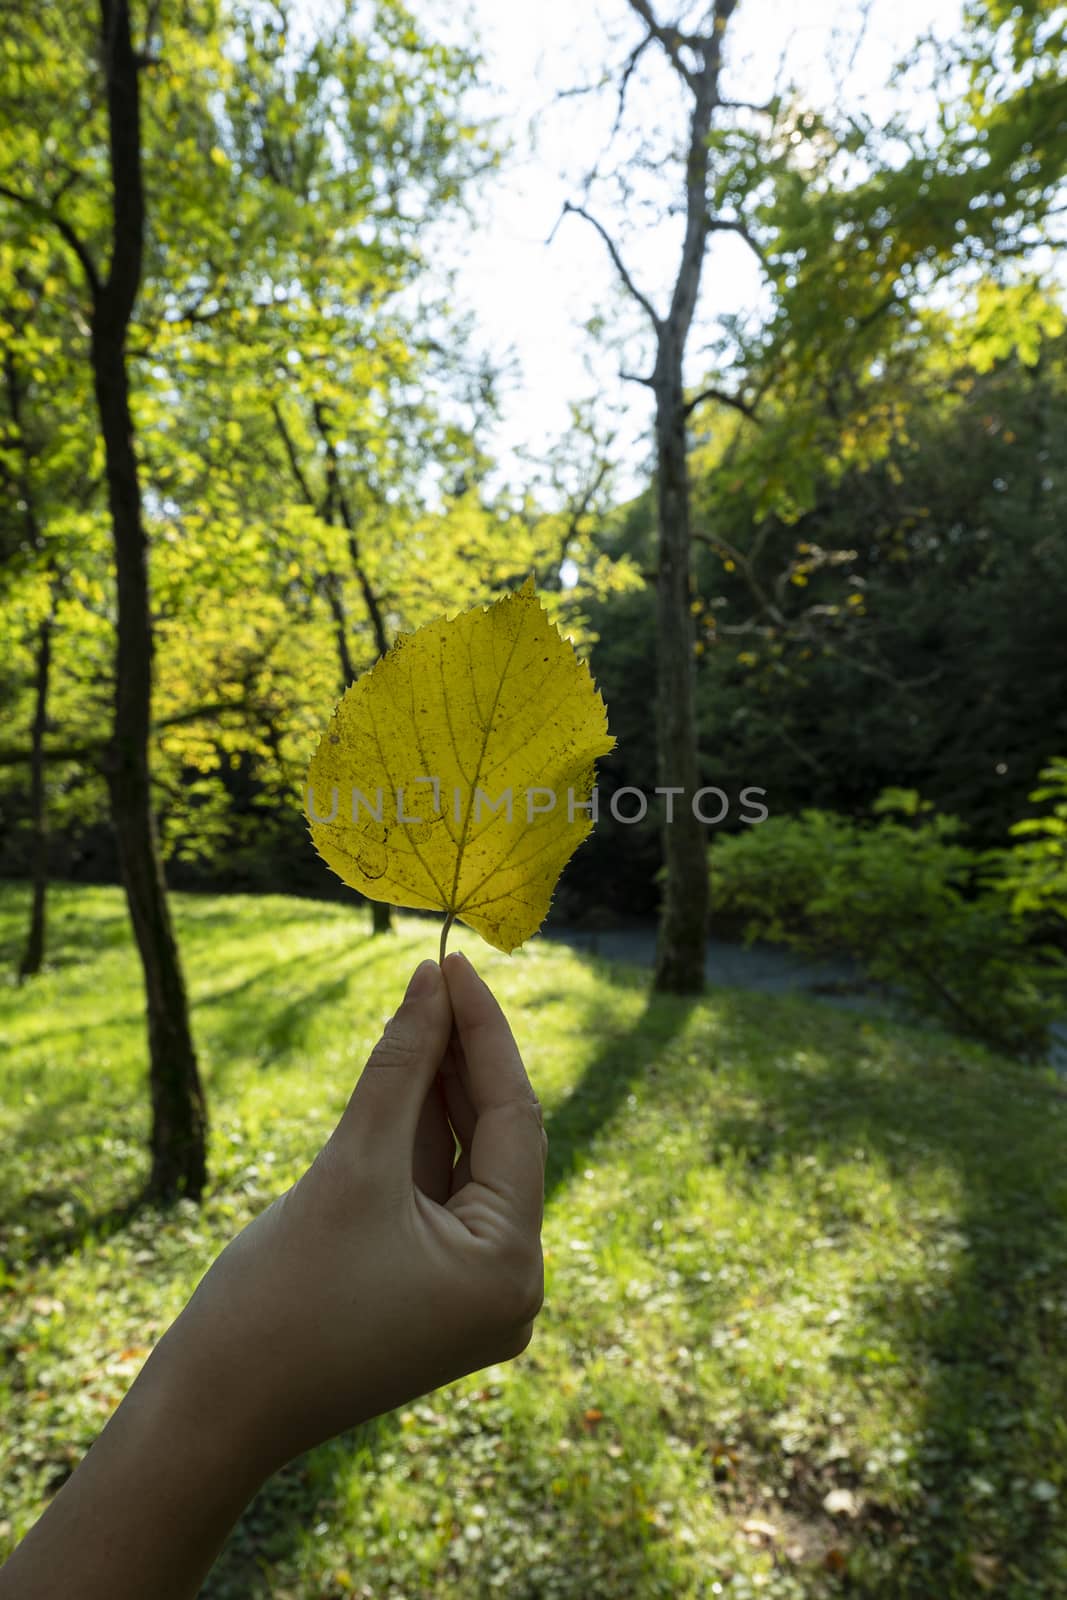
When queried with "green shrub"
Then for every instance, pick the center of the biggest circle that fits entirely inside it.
(917, 910)
(1035, 869)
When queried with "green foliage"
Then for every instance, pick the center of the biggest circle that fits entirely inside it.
(919, 910)
(863, 228)
(1035, 870)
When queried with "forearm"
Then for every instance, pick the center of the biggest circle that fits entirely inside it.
(147, 1510)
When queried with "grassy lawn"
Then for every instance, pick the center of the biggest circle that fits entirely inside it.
(805, 1328)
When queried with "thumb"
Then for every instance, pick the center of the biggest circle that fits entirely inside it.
(377, 1129)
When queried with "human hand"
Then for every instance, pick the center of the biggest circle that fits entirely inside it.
(385, 1271)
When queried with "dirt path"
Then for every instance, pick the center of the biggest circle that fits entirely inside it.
(771, 969)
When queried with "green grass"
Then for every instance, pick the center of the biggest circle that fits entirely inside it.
(789, 1253)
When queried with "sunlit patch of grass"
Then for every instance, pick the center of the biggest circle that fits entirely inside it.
(805, 1328)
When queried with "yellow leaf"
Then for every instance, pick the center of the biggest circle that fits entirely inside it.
(457, 774)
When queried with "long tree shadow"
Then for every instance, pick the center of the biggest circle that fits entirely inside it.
(73, 926)
(987, 1343)
(270, 1530)
(251, 1024)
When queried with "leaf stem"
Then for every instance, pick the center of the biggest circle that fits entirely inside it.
(449, 920)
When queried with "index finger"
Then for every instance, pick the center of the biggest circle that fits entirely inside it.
(494, 1066)
(509, 1148)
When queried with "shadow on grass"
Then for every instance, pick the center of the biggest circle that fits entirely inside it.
(251, 1024)
(50, 1245)
(269, 1532)
(988, 1351)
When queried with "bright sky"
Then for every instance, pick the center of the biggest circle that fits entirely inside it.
(533, 297)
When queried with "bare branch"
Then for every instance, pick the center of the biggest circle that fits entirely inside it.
(738, 226)
(336, 493)
(724, 399)
(94, 751)
(44, 210)
(766, 110)
(213, 708)
(67, 752)
(670, 38)
(617, 260)
(628, 72)
(635, 377)
(705, 86)
(294, 460)
(579, 89)
(744, 565)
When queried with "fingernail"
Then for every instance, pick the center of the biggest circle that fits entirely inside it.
(457, 955)
(423, 981)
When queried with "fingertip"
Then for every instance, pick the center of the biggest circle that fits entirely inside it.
(456, 963)
(473, 1002)
(424, 981)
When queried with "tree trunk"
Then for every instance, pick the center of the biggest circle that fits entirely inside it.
(381, 913)
(332, 588)
(682, 940)
(179, 1117)
(33, 954)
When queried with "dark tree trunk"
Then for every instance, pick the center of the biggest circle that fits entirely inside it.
(334, 592)
(381, 913)
(684, 913)
(179, 1117)
(697, 60)
(33, 954)
(336, 500)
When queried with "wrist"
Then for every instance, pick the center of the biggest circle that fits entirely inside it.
(149, 1507)
(180, 1398)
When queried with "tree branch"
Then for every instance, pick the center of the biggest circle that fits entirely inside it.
(179, 719)
(628, 72)
(705, 87)
(766, 110)
(65, 752)
(736, 225)
(93, 752)
(670, 38)
(294, 460)
(744, 565)
(620, 266)
(337, 492)
(724, 399)
(44, 210)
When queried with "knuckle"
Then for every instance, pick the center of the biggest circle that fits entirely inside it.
(517, 1342)
(530, 1109)
(523, 1288)
(398, 1046)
